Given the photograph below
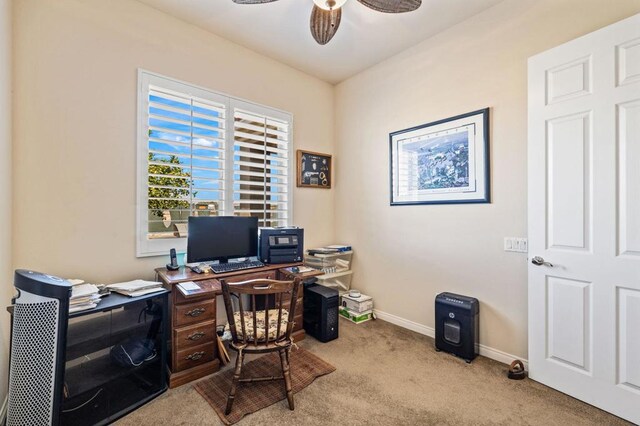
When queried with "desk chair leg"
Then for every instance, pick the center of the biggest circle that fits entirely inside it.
(234, 382)
(284, 360)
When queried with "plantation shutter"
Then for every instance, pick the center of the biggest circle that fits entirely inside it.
(186, 154)
(202, 153)
(261, 164)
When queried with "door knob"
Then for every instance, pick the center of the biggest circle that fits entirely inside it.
(539, 261)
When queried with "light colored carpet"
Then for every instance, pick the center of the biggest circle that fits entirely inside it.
(387, 375)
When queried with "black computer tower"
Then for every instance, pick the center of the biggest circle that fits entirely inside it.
(321, 312)
(457, 325)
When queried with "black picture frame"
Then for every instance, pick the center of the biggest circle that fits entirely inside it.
(313, 170)
(435, 151)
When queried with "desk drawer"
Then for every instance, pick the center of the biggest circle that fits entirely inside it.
(194, 356)
(209, 288)
(201, 333)
(192, 313)
(269, 275)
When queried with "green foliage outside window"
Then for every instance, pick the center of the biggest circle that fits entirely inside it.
(177, 187)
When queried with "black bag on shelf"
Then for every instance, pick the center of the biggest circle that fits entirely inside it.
(133, 352)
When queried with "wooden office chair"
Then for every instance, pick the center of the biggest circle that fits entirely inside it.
(259, 331)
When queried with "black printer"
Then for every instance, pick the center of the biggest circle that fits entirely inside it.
(280, 245)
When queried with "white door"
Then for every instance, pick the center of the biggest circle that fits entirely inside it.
(584, 218)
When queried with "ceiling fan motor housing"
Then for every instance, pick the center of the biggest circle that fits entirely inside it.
(329, 4)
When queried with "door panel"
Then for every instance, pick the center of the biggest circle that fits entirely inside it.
(569, 322)
(629, 178)
(569, 81)
(629, 339)
(568, 177)
(628, 57)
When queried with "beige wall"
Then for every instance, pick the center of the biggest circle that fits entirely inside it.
(408, 254)
(5, 186)
(76, 67)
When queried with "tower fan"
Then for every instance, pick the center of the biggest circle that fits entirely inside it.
(38, 341)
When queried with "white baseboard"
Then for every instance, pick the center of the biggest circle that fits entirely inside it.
(503, 357)
(405, 323)
(485, 351)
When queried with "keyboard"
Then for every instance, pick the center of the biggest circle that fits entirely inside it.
(220, 268)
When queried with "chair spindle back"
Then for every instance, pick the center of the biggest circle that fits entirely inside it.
(277, 295)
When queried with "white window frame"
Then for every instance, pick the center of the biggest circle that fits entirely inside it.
(157, 247)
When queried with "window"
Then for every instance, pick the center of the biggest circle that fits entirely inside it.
(201, 153)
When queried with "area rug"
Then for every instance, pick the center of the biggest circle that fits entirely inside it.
(251, 397)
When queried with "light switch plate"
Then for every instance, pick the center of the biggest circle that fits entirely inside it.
(508, 244)
(515, 244)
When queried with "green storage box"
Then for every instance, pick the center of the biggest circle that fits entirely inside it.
(356, 317)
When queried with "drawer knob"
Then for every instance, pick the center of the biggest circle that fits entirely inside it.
(195, 336)
(195, 356)
(195, 312)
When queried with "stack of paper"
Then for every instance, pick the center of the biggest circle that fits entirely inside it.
(83, 297)
(336, 248)
(322, 250)
(136, 287)
(299, 270)
(339, 247)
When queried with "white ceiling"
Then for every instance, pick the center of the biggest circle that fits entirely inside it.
(280, 30)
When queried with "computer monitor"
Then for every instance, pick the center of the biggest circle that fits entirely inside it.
(221, 238)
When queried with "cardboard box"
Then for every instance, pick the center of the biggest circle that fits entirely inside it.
(356, 317)
(363, 303)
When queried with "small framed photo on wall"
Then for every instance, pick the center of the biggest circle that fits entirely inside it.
(444, 162)
(313, 170)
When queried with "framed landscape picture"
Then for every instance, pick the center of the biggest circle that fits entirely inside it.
(313, 170)
(444, 162)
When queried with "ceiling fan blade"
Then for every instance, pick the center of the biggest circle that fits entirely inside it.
(392, 6)
(324, 23)
(252, 1)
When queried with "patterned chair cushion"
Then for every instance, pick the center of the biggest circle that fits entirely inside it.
(260, 324)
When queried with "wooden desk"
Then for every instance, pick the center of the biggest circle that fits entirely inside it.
(194, 350)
